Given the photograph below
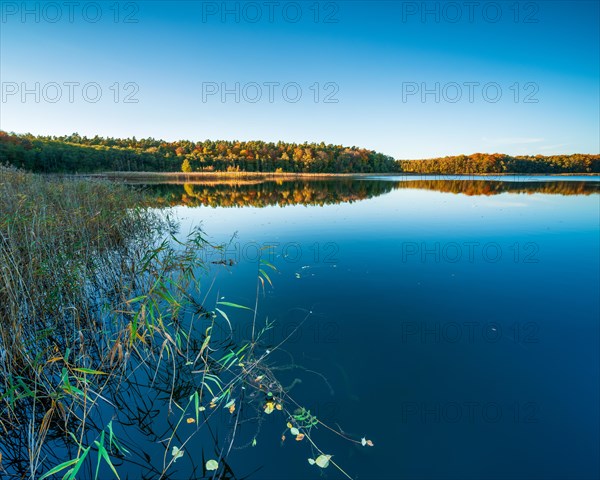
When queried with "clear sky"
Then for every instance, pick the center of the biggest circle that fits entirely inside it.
(409, 79)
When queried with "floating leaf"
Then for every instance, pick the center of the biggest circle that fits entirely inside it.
(190, 420)
(369, 443)
(294, 431)
(363, 441)
(232, 409)
(201, 409)
(212, 465)
(254, 442)
(289, 425)
(299, 437)
(269, 407)
(279, 406)
(311, 461)
(177, 453)
(323, 460)
(283, 438)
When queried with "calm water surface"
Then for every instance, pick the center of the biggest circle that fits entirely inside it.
(454, 322)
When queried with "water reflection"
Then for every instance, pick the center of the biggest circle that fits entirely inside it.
(262, 193)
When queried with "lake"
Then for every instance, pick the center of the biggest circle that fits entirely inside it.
(454, 322)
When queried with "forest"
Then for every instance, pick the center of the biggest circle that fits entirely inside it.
(80, 154)
(497, 163)
(73, 153)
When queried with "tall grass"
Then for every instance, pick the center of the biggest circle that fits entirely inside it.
(66, 248)
(98, 300)
(59, 240)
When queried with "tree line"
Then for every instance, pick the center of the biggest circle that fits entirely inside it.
(75, 153)
(80, 154)
(497, 163)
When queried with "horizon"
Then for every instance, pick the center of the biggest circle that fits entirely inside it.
(413, 80)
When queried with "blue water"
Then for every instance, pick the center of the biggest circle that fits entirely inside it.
(454, 322)
(460, 333)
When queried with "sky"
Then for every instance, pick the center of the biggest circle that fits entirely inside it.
(408, 79)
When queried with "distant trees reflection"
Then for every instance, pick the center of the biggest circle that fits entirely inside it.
(494, 187)
(239, 193)
(268, 193)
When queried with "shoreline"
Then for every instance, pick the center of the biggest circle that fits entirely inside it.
(191, 176)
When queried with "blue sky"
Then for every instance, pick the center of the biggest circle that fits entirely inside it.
(512, 77)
